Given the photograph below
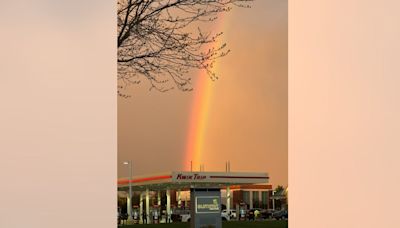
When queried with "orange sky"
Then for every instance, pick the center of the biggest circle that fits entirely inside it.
(246, 115)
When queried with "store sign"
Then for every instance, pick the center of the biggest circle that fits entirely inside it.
(207, 204)
(218, 177)
(189, 177)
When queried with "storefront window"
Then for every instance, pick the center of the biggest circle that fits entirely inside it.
(256, 199)
(264, 200)
(246, 197)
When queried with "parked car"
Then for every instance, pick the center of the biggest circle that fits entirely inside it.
(250, 214)
(176, 218)
(185, 217)
(282, 214)
(267, 213)
(180, 215)
(231, 215)
(225, 217)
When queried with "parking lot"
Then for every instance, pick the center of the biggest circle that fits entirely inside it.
(231, 224)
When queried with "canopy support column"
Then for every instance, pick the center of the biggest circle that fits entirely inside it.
(228, 200)
(251, 199)
(141, 207)
(179, 199)
(168, 205)
(147, 205)
(159, 198)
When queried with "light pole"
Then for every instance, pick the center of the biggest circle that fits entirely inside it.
(129, 203)
(273, 200)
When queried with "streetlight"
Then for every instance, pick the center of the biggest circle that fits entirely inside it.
(129, 204)
(273, 199)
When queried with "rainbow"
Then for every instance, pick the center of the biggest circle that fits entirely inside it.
(203, 91)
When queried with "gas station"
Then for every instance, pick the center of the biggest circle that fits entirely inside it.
(202, 193)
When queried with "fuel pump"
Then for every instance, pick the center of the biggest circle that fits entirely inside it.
(156, 214)
(242, 211)
(135, 213)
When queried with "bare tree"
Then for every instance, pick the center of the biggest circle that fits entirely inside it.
(156, 41)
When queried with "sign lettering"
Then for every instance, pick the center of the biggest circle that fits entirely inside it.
(207, 205)
(195, 176)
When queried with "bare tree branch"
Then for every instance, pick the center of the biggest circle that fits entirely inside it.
(156, 41)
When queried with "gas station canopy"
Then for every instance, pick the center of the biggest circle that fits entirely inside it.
(187, 180)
